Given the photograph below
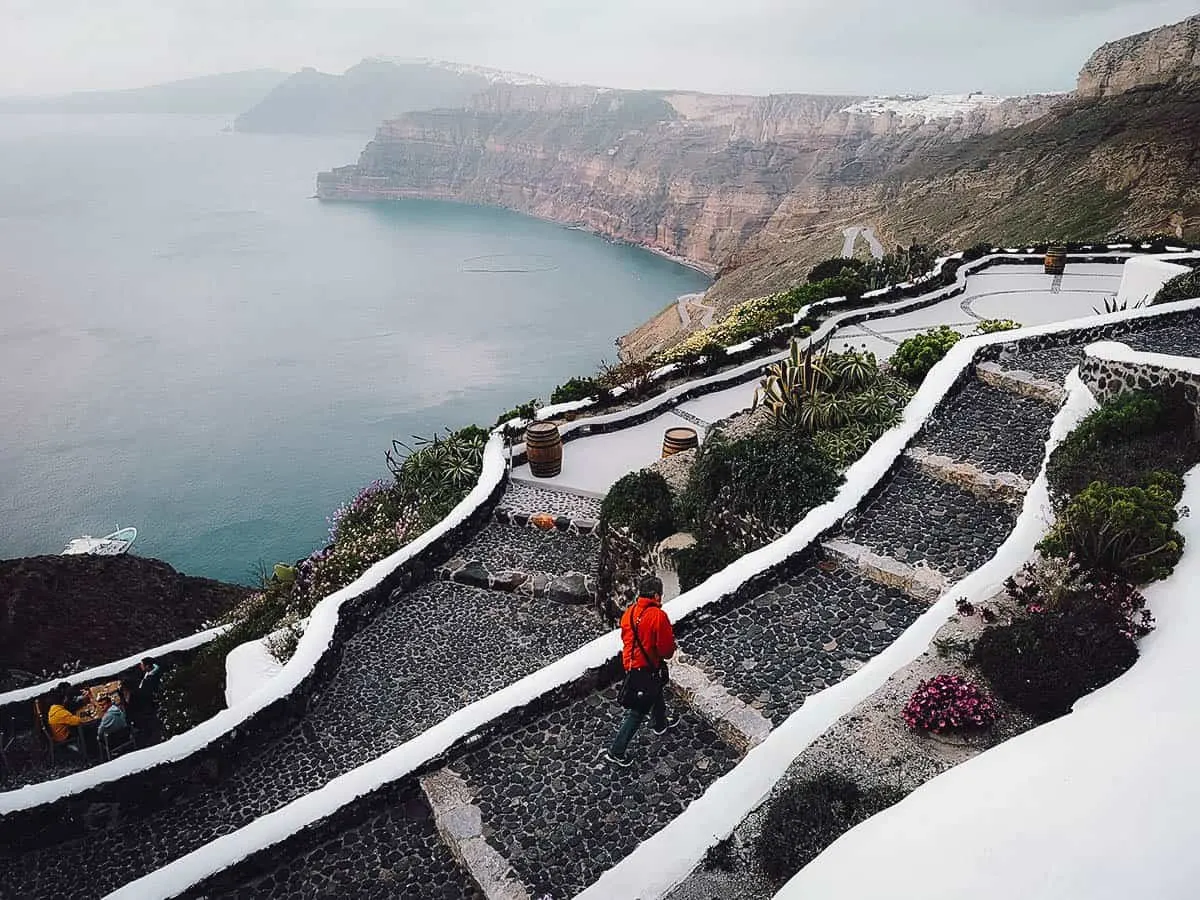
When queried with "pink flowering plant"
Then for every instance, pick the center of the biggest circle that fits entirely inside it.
(949, 703)
(1053, 584)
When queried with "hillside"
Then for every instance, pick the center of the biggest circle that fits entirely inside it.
(56, 610)
(227, 93)
(358, 100)
(758, 188)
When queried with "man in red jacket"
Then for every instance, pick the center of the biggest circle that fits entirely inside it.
(648, 641)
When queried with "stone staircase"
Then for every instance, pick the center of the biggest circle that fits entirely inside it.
(433, 650)
(532, 810)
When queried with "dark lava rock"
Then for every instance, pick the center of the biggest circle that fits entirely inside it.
(56, 610)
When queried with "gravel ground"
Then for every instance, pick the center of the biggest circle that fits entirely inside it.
(498, 547)
(529, 499)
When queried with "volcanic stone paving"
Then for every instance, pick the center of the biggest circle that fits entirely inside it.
(800, 637)
(997, 430)
(917, 517)
(498, 547)
(1181, 338)
(1051, 364)
(529, 499)
(395, 852)
(436, 649)
(561, 814)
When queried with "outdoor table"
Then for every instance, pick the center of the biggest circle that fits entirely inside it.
(92, 712)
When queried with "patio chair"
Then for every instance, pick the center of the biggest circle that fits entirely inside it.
(74, 743)
(8, 735)
(114, 743)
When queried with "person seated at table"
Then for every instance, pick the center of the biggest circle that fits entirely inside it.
(59, 717)
(113, 718)
(72, 698)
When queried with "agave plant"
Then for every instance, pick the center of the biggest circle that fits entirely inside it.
(853, 370)
(793, 384)
(1112, 305)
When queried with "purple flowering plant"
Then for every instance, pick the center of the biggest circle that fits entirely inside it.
(949, 703)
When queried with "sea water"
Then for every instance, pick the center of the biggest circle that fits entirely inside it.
(191, 344)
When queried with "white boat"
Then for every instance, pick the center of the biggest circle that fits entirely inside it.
(110, 545)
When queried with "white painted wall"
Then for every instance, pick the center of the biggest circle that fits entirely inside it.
(1142, 276)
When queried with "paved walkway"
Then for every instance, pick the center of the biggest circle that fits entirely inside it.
(1019, 292)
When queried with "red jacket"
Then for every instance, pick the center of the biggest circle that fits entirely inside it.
(654, 631)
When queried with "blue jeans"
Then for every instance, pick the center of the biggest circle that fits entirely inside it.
(633, 720)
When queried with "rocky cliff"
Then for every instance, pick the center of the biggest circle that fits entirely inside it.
(57, 610)
(757, 188)
(1162, 56)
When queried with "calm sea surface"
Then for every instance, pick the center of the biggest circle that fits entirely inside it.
(192, 345)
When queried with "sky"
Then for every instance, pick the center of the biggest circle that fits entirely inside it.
(723, 46)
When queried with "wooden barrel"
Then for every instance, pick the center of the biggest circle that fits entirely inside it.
(1056, 260)
(543, 449)
(679, 439)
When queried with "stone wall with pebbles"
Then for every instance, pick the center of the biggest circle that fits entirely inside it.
(1108, 378)
(419, 661)
(531, 500)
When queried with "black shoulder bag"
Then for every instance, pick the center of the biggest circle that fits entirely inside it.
(641, 686)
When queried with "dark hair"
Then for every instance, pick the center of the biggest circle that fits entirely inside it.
(650, 586)
(148, 662)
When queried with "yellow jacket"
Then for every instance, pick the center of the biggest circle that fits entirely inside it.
(60, 720)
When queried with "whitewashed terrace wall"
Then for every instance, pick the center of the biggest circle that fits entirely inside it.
(744, 575)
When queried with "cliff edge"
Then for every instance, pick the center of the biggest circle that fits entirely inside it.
(1161, 56)
(58, 610)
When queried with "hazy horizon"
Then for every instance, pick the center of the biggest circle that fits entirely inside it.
(759, 47)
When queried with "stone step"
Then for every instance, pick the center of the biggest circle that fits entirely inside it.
(499, 548)
(460, 823)
(434, 650)
(560, 813)
(530, 497)
(919, 582)
(739, 724)
(571, 588)
(1019, 381)
(390, 847)
(1006, 486)
(917, 518)
(799, 637)
(995, 430)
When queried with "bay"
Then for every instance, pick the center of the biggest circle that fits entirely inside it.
(190, 344)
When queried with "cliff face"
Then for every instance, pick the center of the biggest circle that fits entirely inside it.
(757, 188)
(56, 610)
(700, 176)
(1161, 56)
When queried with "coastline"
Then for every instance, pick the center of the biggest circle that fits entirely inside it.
(343, 194)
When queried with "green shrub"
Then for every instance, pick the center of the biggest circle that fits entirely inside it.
(695, 564)
(1120, 442)
(918, 354)
(976, 251)
(950, 271)
(807, 816)
(1044, 662)
(991, 326)
(773, 477)
(438, 471)
(576, 389)
(640, 501)
(1127, 531)
(1184, 286)
(831, 268)
(526, 410)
